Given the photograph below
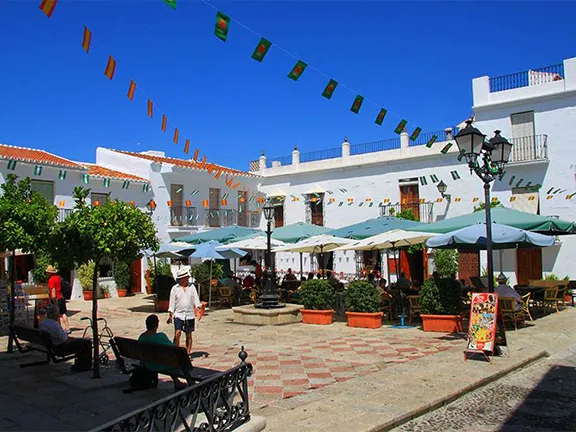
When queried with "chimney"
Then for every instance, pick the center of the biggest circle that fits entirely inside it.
(262, 162)
(449, 135)
(345, 148)
(404, 140)
(295, 155)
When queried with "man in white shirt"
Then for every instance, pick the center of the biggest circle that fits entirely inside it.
(184, 307)
(504, 290)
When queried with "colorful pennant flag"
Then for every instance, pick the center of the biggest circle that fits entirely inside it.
(131, 90)
(430, 143)
(11, 165)
(171, 3)
(455, 175)
(86, 39)
(222, 26)
(37, 170)
(261, 49)
(145, 187)
(446, 148)
(357, 104)
(62, 175)
(110, 67)
(434, 178)
(85, 178)
(415, 134)
(297, 70)
(176, 135)
(400, 126)
(329, 89)
(150, 109)
(164, 121)
(47, 6)
(512, 181)
(423, 181)
(458, 199)
(187, 146)
(196, 153)
(380, 117)
(126, 184)
(195, 192)
(106, 182)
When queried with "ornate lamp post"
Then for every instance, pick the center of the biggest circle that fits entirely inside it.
(442, 187)
(269, 295)
(487, 160)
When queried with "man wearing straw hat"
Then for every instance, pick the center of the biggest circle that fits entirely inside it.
(184, 307)
(55, 292)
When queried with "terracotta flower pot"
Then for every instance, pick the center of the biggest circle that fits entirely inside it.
(568, 298)
(122, 292)
(87, 295)
(365, 319)
(203, 308)
(161, 305)
(441, 323)
(321, 317)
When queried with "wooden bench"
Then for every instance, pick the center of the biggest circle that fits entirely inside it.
(169, 356)
(37, 341)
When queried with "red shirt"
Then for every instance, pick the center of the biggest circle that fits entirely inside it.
(54, 284)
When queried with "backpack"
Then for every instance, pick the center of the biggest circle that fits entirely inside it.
(143, 378)
(65, 288)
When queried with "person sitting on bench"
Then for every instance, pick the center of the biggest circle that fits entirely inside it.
(151, 335)
(64, 344)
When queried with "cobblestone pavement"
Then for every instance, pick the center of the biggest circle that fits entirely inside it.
(541, 397)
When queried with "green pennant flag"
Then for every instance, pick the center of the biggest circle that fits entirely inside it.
(171, 3)
(455, 175)
(261, 49)
(145, 187)
(415, 134)
(37, 170)
(297, 70)
(512, 181)
(126, 184)
(106, 182)
(357, 104)
(400, 126)
(520, 182)
(85, 178)
(62, 175)
(222, 26)
(380, 117)
(11, 164)
(329, 90)
(446, 148)
(432, 141)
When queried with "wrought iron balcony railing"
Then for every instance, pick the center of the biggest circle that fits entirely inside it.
(64, 213)
(183, 216)
(424, 212)
(527, 78)
(530, 148)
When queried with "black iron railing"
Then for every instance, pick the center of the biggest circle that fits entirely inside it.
(424, 212)
(375, 146)
(527, 78)
(530, 148)
(217, 404)
(284, 160)
(331, 153)
(183, 216)
(64, 213)
(441, 135)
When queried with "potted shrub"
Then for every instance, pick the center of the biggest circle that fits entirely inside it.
(441, 302)
(105, 291)
(317, 296)
(122, 277)
(162, 283)
(363, 305)
(85, 273)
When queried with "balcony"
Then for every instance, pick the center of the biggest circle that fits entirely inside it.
(527, 78)
(181, 216)
(216, 218)
(64, 213)
(422, 211)
(529, 149)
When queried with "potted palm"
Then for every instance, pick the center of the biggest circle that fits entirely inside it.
(441, 302)
(122, 277)
(162, 282)
(317, 296)
(85, 273)
(363, 305)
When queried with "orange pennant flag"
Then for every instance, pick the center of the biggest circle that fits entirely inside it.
(176, 134)
(110, 67)
(210, 168)
(47, 6)
(203, 163)
(218, 174)
(164, 121)
(196, 152)
(187, 146)
(86, 39)
(229, 181)
(131, 90)
(150, 109)
(236, 185)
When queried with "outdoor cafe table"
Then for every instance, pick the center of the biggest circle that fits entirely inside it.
(537, 292)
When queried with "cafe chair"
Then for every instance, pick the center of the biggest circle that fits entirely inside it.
(415, 307)
(551, 299)
(225, 295)
(526, 301)
(386, 306)
(560, 297)
(508, 309)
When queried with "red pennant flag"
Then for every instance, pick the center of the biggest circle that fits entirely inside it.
(164, 121)
(86, 40)
(131, 90)
(218, 174)
(203, 163)
(195, 157)
(187, 146)
(110, 67)
(176, 133)
(150, 109)
(47, 6)
(229, 181)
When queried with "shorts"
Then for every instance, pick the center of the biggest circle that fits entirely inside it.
(62, 306)
(187, 326)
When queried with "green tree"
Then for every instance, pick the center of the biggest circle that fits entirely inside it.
(446, 262)
(26, 219)
(482, 206)
(114, 230)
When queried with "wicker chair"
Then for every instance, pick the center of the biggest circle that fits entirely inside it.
(526, 301)
(508, 309)
(225, 295)
(386, 306)
(551, 299)
(415, 307)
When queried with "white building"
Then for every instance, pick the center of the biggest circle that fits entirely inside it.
(535, 110)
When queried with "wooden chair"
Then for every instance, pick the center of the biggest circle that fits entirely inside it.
(386, 305)
(254, 293)
(225, 295)
(526, 301)
(551, 299)
(508, 309)
(560, 296)
(415, 307)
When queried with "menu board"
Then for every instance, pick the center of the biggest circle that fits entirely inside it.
(483, 322)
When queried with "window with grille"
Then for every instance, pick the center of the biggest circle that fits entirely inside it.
(44, 188)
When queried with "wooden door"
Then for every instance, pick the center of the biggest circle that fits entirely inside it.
(528, 265)
(214, 209)
(468, 265)
(136, 280)
(410, 199)
(243, 209)
(278, 216)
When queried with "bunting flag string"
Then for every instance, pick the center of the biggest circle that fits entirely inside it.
(86, 40)
(330, 88)
(62, 175)
(131, 90)
(415, 134)
(110, 67)
(297, 70)
(221, 27)
(355, 108)
(48, 6)
(261, 49)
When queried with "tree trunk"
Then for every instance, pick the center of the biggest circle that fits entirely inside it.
(95, 341)
(11, 299)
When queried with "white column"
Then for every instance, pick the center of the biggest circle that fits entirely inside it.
(262, 162)
(481, 90)
(295, 156)
(570, 74)
(345, 148)
(404, 140)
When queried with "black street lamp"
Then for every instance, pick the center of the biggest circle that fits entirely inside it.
(268, 298)
(487, 159)
(442, 188)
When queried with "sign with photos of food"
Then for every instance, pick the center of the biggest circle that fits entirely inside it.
(483, 316)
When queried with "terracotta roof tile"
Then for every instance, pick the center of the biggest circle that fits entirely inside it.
(39, 157)
(187, 163)
(100, 171)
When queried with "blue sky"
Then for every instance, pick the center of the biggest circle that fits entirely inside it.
(416, 59)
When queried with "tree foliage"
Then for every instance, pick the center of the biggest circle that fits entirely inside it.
(317, 294)
(201, 273)
(482, 206)
(446, 262)
(362, 296)
(122, 275)
(441, 297)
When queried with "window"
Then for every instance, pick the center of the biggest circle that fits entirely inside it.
(214, 208)
(278, 216)
(522, 124)
(243, 208)
(523, 137)
(315, 209)
(177, 215)
(44, 188)
(99, 197)
(410, 199)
